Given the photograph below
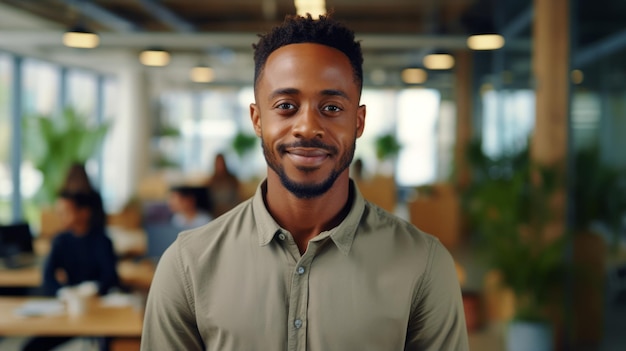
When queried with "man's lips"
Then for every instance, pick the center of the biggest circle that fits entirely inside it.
(307, 156)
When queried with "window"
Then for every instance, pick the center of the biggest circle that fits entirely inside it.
(81, 92)
(418, 110)
(379, 120)
(6, 184)
(41, 87)
(509, 118)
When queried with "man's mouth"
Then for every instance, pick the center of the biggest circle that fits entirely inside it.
(307, 157)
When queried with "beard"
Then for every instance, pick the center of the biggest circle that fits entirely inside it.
(307, 190)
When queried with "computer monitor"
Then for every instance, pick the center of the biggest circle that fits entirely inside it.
(16, 241)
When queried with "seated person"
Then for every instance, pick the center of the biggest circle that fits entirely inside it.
(224, 187)
(80, 253)
(190, 206)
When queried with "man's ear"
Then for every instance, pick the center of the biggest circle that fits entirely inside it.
(255, 117)
(360, 120)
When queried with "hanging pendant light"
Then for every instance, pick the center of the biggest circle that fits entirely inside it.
(485, 42)
(154, 57)
(313, 7)
(202, 74)
(438, 61)
(80, 37)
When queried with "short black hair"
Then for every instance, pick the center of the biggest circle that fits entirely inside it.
(298, 29)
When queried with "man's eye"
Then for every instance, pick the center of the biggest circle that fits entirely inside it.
(286, 106)
(332, 108)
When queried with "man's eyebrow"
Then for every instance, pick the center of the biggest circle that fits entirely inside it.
(284, 91)
(334, 92)
(294, 91)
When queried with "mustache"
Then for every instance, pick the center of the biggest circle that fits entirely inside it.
(313, 143)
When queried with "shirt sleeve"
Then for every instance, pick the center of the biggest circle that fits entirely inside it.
(437, 316)
(170, 321)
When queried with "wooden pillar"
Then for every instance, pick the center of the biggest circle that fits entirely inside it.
(551, 72)
(463, 93)
(549, 145)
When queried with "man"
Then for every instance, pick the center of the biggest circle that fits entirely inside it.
(307, 263)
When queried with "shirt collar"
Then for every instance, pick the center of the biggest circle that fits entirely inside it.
(342, 235)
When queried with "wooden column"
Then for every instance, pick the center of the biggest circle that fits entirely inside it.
(549, 145)
(551, 71)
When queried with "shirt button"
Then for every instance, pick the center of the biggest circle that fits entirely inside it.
(281, 236)
(297, 323)
(300, 270)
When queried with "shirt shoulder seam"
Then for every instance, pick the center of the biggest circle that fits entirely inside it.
(420, 281)
(186, 284)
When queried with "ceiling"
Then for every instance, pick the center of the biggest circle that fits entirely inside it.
(365, 16)
(394, 33)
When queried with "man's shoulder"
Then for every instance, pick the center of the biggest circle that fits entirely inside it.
(381, 221)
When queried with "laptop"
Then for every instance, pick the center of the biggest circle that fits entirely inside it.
(16, 246)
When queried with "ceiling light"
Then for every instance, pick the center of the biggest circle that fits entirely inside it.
(438, 61)
(485, 42)
(202, 74)
(414, 76)
(154, 57)
(79, 37)
(313, 7)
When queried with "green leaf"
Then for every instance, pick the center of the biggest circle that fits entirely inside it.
(54, 143)
(387, 146)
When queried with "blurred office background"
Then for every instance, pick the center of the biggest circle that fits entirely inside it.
(551, 89)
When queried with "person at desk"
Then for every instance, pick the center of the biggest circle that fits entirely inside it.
(190, 206)
(307, 263)
(80, 253)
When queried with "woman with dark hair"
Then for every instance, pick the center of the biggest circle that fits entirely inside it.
(80, 253)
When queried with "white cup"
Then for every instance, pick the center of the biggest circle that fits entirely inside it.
(76, 304)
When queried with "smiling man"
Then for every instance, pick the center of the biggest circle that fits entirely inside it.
(307, 263)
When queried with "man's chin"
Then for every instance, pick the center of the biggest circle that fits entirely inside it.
(307, 189)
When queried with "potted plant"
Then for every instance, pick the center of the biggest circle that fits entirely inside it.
(507, 203)
(243, 143)
(54, 143)
(387, 149)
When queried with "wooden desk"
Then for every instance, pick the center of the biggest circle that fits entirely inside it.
(98, 321)
(133, 274)
(20, 278)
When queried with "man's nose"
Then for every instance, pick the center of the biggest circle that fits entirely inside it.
(308, 124)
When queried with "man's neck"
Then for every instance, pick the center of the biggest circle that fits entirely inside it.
(306, 218)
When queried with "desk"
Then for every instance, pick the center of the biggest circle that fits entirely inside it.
(20, 277)
(133, 274)
(98, 321)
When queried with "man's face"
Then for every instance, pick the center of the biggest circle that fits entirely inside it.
(308, 116)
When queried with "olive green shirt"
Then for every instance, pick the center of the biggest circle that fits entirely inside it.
(239, 283)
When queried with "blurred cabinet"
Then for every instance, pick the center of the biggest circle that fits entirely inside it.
(438, 212)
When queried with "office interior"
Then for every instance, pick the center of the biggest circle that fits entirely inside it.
(546, 107)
